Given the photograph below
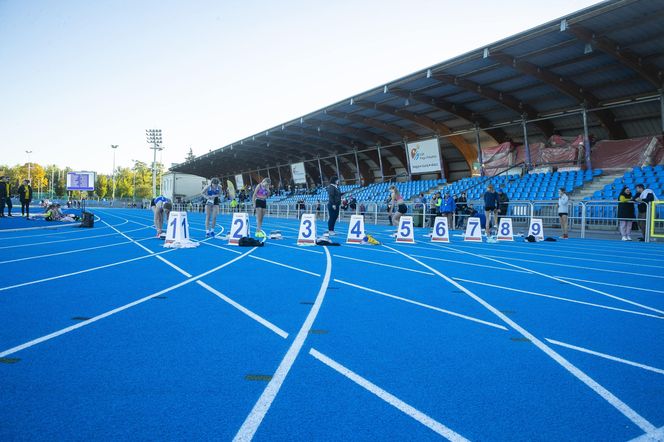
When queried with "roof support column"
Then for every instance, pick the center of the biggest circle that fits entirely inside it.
(479, 149)
(405, 147)
(336, 160)
(380, 164)
(526, 145)
(442, 160)
(281, 183)
(661, 107)
(320, 171)
(358, 175)
(251, 180)
(586, 138)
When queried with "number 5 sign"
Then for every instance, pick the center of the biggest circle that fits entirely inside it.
(440, 231)
(307, 234)
(405, 231)
(239, 228)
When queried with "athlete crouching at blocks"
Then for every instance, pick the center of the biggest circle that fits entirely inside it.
(161, 207)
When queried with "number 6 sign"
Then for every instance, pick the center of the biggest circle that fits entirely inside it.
(440, 232)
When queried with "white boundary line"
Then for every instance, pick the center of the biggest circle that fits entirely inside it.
(653, 436)
(397, 403)
(383, 265)
(431, 307)
(59, 241)
(245, 310)
(260, 409)
(555, 278)
(119, 309)
(527, 292)
(605, 356)
(622, 407)
(465, 263)
(286, 266)
(612, 284)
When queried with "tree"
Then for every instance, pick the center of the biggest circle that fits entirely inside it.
(190, 156)
(101, 186)
(143, 191)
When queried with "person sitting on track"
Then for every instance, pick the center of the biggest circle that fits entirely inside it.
(211, 194)
(260, 203)
(161, 208)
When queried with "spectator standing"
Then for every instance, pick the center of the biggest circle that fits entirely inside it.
(490, 207)
(643, 197)
(563, 211)
(211, 193)
(447, 208)
(5, 197)
(625, 213)
(25, 196)
(503, 203)
(461, 203)
(333, 204)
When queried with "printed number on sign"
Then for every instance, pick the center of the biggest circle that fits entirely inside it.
(536, 229)
(474, 225)
(440, 229)
(183, 226)
(307, 228)
(356, 230)
(405, 228)
(505, 229)
(239, 222)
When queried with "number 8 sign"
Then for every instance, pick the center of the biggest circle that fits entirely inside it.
(440, 230)
(505, 232)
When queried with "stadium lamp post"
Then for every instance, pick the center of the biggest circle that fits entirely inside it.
(154, 137)
(114, 147)
(29, 152)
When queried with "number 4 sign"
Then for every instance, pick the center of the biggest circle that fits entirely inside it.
(307, 234)
(355, 229)
(505, 232)
(239, 228)
(440, 231)
(536, 229)
(405, 231)
(473, 230)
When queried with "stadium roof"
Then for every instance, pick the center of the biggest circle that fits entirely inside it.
(608, 59)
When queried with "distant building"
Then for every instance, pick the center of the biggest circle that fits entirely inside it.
(180, 187)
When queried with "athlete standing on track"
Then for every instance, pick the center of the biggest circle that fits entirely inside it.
(398, 205)
(211, 194)
(260, 203)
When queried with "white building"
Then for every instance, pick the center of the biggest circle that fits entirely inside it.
(181, 186)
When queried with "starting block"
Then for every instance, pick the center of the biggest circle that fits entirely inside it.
(177, 232)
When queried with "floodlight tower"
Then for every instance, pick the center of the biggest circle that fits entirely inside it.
(114, 147)
(29, 152)
(153, 137)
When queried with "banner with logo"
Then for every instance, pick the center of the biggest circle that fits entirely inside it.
(424, 156)
(239, 182)
(299, 175)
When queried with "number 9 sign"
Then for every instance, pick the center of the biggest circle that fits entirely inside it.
(536, 229)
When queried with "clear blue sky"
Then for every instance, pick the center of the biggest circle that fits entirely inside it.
(77, 76)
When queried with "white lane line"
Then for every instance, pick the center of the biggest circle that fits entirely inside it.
(612, 284)
(619, 405)
(397, 403)
(70, 251)
(119, 309)
(245, 310)
(300, 248)
(376, 249)
(383, 265)
(61, 240)
(260, 409)
(91, 269)
(286, 266)
(431, 307)
(608, 295)
(160, 258)
(548, 263)
(653, 436)
(228, 249)
(559, 298)
(605, 356)
(464, 263)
